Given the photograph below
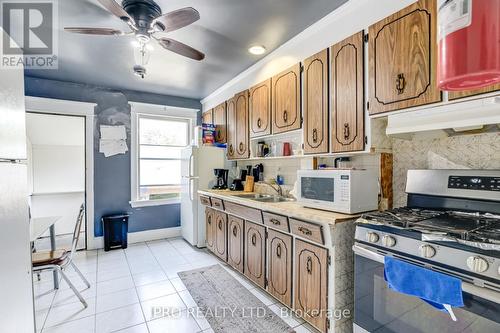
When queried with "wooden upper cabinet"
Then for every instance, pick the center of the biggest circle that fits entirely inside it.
(207, 117)
(402, 59)
(219, 119)
(467, 93)
(285, 96)
(279, 254)
(255, 253)
(260, 109)
(347, 87)
(316, 103)
(241, 148)
(311, 284)
(231, 128)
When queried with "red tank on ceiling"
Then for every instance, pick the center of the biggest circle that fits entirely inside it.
(469, 44)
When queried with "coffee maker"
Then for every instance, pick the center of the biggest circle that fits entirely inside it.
(221, 179)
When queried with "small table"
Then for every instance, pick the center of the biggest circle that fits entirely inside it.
(38, 226)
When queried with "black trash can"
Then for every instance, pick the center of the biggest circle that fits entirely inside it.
(115, 231)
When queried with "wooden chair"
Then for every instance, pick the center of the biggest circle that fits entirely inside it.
(60, 259)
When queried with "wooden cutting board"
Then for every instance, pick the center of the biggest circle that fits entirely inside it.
(249, 184)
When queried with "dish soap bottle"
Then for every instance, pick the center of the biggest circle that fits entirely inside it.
(279, 178)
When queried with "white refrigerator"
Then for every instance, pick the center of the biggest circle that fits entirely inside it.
(197, 167)
(16, 288)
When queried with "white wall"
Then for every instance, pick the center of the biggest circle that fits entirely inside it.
(350, 18)
(56, 161)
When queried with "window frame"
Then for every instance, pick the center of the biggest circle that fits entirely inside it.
(141, 110)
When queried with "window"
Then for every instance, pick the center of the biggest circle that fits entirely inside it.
(159, 141)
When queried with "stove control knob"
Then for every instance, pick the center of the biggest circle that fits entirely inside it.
(388, 241)
(372, 237)
(427, 251)
(477, 264)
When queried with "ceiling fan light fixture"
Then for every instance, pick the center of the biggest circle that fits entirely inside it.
(257, 49)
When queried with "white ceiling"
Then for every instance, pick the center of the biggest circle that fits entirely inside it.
(43, 129)
(225, 31)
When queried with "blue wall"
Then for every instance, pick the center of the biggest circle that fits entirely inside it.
(112, 174)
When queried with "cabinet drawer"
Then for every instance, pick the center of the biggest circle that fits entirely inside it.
(244, 212)
(276, 221)
(217, 203)
(205, 200)
(307, 230)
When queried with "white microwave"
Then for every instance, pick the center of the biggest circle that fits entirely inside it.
(343, 191)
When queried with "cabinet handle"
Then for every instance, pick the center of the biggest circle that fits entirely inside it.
(242, 146)
(275, 222)
(231, 149)
(285, 116)
(315, 135)
(309, 265)
(209, 219)
(278, 251)
(346, 131)
(220, 225)
(305, 231)
(400, 83)
(235, 231)
(254, 240)
(259, 123)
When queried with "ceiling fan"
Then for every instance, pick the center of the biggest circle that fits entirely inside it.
(145, 19)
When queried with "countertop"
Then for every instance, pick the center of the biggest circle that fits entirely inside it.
(290, 209)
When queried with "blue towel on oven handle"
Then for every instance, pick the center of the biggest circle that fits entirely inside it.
(437, 289)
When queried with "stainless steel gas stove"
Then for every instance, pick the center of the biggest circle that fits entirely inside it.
(451, 224)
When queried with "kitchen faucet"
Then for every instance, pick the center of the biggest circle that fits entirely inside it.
(279, 190)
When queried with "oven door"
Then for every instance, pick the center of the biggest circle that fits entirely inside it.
(380, 309)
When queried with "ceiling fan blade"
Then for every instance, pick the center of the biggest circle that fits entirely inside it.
(177, 19)
(94, 31)
(180, 48)
(117, 10)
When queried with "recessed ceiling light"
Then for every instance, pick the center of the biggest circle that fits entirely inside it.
(257, 49)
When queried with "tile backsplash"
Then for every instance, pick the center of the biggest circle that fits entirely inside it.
(481, 151)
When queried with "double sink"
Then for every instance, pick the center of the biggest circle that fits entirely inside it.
(264, 197)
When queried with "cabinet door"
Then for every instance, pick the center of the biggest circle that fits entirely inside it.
(220, 235)
(254, 258)
(231, 129)
(285, 98)
(260, 109)
(210, 223)
(311, 273)
(316, 103)
(207, 117)
(219, 117)
(241, 129)
(235, 242)
(279, 256)
(467, 93)
(347, 89)
(402, 59)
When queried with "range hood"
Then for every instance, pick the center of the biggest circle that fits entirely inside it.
(458, 117)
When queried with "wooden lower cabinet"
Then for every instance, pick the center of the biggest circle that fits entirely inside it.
(210, 231)
(311, 274)
(279, 274)
(235, 234)
(255, 253)
(220, 242)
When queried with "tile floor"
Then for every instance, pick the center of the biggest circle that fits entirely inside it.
(126, 286)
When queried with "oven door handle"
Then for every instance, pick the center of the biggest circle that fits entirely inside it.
(467, 287)
(361, 251)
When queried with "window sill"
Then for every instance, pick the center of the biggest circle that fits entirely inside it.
(151, 203)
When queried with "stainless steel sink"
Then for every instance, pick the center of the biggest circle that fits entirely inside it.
(264, 197)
